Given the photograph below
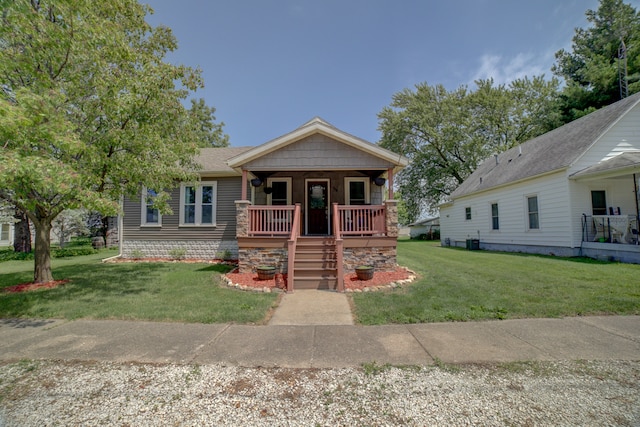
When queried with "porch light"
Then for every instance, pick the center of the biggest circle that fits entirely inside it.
(379, 181)
(256, 182)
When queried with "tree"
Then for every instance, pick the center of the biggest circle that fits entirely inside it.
(447, 134)
(207, 132)
(89, 110)
(591, 69)
(69, 223)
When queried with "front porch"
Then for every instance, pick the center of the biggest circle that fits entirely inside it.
(357, 235)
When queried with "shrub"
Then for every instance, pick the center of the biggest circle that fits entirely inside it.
(72, 251)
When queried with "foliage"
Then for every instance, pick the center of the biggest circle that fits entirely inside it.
(591, 68)
(76, 247)
(460, 285)
(69, 223)
(446, 134)
(178, 253)
(90, 110)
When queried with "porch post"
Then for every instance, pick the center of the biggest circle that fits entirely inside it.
(242, 218)
(244, 185)
(390, 176)
(392, 218)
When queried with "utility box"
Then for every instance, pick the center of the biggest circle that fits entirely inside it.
(473, 244)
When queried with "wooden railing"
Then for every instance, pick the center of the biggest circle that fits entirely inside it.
(361, 220)
(339, 249)
(291, 247)
(270, 220)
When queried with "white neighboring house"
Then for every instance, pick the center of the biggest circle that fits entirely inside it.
(6, 234)
(571, 192)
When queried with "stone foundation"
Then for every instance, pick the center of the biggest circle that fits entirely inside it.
(382, 258)
(186, 249)
(251, 258)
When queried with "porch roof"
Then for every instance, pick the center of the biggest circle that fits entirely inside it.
(623, 164)
(317, 126)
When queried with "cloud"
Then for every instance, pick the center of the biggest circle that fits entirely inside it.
(504, 71)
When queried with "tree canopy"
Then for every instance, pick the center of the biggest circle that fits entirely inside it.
(446, 134)
(90, 110)
(591, 70)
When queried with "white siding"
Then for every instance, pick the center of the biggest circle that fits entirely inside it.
(623, 136)
(554, 214)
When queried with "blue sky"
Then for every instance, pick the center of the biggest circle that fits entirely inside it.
(271, 65)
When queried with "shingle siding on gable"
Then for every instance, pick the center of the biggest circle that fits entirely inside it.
(316, 152)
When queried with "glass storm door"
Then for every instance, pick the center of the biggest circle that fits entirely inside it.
(317, 207)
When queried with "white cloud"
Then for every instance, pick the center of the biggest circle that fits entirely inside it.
(504, 71)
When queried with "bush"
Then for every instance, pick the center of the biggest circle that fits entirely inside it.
(9, 254)
(72, 251)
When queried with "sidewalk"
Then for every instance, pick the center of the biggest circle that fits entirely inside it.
(323, 346)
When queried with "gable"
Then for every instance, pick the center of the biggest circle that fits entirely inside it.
(318, 152)
(327, 136)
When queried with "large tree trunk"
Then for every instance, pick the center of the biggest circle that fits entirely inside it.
(42, 259)
(21, 233)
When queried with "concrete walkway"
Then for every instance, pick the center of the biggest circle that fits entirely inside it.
(310, 307)
(304, 346)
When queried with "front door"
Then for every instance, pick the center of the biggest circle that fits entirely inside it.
(317, 206)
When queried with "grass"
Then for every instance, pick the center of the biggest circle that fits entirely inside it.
(131, 291)
(460, 285)
(453, 285)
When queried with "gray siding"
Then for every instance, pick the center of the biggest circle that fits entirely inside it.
(228, 190)
(318, 152)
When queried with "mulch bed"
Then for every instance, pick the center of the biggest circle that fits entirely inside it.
(26, 287)
(351, 281)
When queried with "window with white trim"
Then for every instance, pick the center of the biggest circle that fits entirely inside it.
(280, 193)
(150, 214)
(495, 218)
(357, 191)
(532, 212)
(198, 204)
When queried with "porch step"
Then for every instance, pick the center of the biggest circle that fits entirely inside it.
(315, 264)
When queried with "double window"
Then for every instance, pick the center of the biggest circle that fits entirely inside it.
(467, 213)
(198, 204)
(150, 214)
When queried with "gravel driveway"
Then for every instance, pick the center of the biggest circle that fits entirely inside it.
(60, 393)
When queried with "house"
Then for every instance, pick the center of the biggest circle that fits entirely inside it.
(6, 234)
(315, 202)
(570, 192)
(426, 229)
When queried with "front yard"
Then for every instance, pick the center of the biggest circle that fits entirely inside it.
(452, 285)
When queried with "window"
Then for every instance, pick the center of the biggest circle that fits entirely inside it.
(197, 204)
(495, 223)
(4, 232)
(150, 215)
(599, 202)
(532, 209)
(357, 191)
(280, 191)
(467, 213)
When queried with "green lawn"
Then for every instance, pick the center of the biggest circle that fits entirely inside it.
(141, 291)
(453, 285)
(460, 285)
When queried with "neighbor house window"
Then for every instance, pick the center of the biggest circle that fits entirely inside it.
(495, 222)
(150, 214)
(467, 213)
(4, 231)
(280, 194)
(599, 202)
(198, 204)
(532, 209)
(357, 191)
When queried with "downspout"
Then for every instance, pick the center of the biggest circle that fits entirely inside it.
(635, 192)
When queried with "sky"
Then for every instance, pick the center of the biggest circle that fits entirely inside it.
(269, 66)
